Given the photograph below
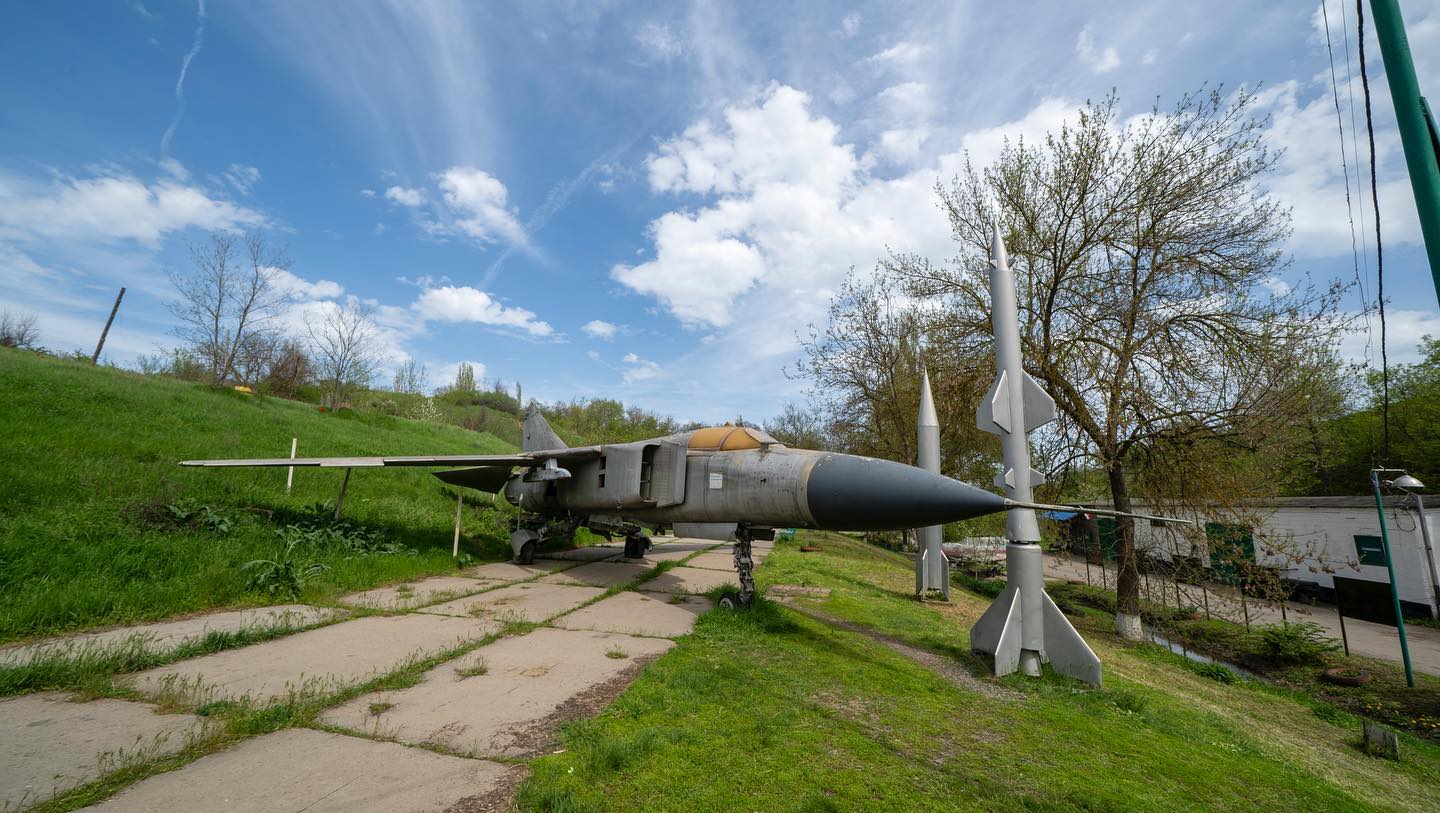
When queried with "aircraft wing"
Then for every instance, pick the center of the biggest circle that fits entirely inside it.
(523, 459)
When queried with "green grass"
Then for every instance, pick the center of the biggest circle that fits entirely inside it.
(89, 463)
(768, 709)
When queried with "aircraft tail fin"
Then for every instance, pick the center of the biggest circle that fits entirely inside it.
(539, 436)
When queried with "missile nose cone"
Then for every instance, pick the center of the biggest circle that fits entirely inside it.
(850, 493)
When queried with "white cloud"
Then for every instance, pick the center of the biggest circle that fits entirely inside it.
(464, 304)
(242, 178)
(479, 202)
(367, 193)
(792, 212)
(901, 54)
(639, 369)
(1149, 57)
(1403, 331)
(850, 24)
(600, 329)
(658, 41)
(592, 355)
(1099, 60)
(301, 288)
(110, 208)
(404, 196)
(443, 373)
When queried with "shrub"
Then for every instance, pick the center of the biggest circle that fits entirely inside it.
(285, 575)
(990, 588)
(1293, 644)
(1214, 671)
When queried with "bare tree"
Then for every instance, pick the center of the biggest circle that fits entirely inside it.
(289, 370)
(18, 330)
(411, 377)
(1147, 259)
(345, 345)
(800, 427)
(233, 294)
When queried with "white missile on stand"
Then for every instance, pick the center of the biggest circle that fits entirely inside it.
(932, 571)
(1023, 628)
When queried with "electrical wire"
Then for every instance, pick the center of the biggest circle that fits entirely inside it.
(1360, 202)
(1379, 253)
(1344, 165)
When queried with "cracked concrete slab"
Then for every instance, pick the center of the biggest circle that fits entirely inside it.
(50, 744)
(313, 771)
(417, 593)
(634, 613)
(510, 708)
(589, 553)
(511, 572)
(531, 601)
(165, 636)
(320, 660)
(602, 574)
(690, 580)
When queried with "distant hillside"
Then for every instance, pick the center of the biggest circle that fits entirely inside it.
(98, 524)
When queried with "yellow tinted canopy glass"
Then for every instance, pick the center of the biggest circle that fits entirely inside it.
(729, 438)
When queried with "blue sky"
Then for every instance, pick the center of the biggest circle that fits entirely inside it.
(638, 201)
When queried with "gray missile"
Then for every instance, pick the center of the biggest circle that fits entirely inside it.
(1023, 628)
(932, 572)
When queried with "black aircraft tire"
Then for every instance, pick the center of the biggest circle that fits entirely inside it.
(730, 600)
(635, 547)
(526, 556)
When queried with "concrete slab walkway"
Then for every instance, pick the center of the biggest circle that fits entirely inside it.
(300, 769)
(320, 660)
(690, 580)
(417, 593)
(50, 745)
(497, 712)
(635, 613)
(531, 601)
(165, 636)
(511, 572)
(715, 560)
(602, 574)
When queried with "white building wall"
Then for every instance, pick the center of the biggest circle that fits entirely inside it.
(1323, 541)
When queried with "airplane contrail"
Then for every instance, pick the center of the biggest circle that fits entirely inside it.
(180, 83)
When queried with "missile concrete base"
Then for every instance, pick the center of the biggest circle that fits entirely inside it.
(1024, 628)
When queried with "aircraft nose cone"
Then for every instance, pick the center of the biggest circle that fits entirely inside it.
(852, 493)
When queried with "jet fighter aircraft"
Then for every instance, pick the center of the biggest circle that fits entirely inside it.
(727, 482)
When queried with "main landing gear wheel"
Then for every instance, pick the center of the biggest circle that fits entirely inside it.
(526, 556)
(635, 546)
(731, 600)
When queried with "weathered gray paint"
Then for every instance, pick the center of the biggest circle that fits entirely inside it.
(932, 570)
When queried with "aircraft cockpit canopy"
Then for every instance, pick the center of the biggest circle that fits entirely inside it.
(731, 439)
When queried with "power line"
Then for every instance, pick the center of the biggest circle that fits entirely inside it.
(1355, 154)
(1340, 122)
(1379, 252)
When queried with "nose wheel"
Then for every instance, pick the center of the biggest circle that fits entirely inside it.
(745, 567)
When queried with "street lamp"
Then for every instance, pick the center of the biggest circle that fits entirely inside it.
(1404, 481)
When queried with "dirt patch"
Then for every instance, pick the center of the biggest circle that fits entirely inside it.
(788, 590)
(538, 737)
(499, 798)
(945, 667)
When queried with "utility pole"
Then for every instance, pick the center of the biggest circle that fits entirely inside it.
(1418, 133)
(95, 359)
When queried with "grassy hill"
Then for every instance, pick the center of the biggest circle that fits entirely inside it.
(98, 525)
(772, 709)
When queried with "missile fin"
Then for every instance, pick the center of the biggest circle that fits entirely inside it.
(993, 413)
(1039, 406)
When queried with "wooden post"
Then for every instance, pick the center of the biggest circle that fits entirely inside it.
(95, 359)
(459, 503)
(290, 473)
(340, 500)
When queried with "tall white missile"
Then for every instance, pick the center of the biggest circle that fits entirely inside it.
(932, 572)
(1023, 628)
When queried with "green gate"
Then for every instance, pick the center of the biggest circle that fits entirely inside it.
(1230, 546)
